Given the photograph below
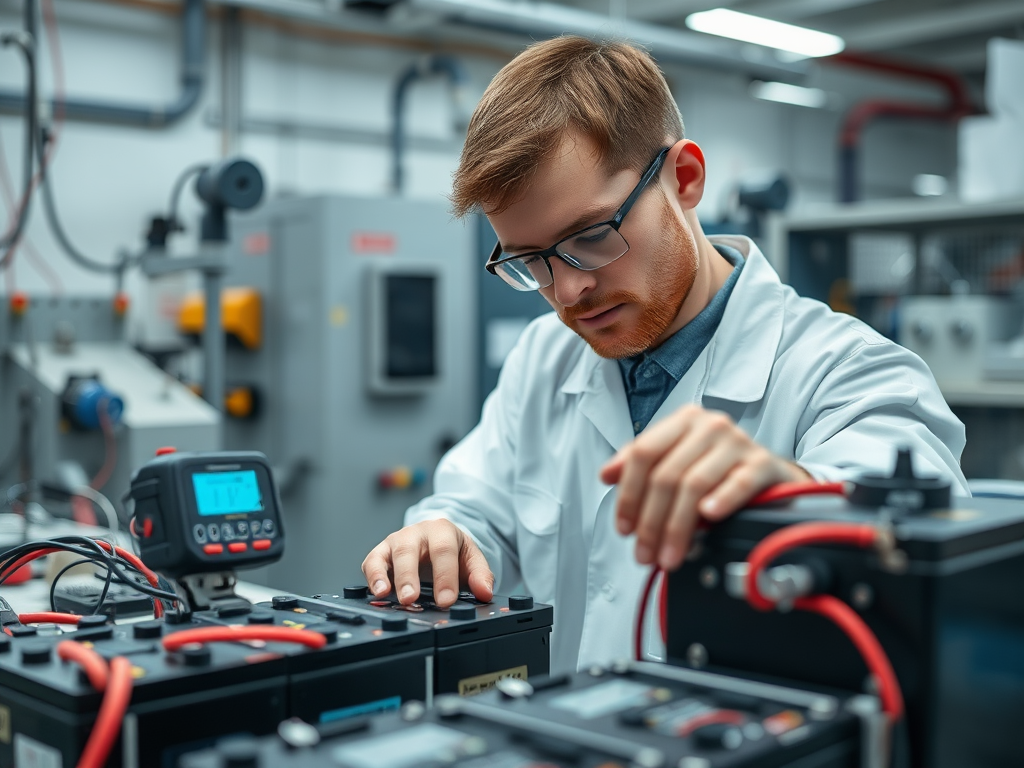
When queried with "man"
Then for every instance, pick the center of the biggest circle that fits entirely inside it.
(677, 379)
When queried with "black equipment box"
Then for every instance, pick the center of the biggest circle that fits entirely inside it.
(475, 643)
(637, 716)
(186, 699)
(950, 618)
(204, 512)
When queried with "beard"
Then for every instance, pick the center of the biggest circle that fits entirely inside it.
(668, 271)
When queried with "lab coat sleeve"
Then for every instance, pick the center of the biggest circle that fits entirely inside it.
(474, 481)
(877, 398)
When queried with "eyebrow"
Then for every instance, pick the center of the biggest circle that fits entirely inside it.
(580, 222)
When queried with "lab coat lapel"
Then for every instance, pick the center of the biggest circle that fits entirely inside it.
(602, 397)
(751, 329)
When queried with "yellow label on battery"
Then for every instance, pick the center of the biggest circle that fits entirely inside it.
(5, 725)
(471, 686)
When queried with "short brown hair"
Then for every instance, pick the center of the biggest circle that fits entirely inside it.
(609, 92)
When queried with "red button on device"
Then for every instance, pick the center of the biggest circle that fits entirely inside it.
(213, 549)
(261, 544)
(237, 546)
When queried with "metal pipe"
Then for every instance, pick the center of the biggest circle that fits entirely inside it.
(193, 35)
(856, 120)
(434, 65)
(538, 19)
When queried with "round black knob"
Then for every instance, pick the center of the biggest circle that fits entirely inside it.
(328, 631)
(196, 655)
(394, 624)
(37, 653)
(520, 602)
(718, 736)
(285, 602)
(89, 622)
(343, 617)
(18, 631)
(903, 490)
(177, 617)
(261, 617)
(462, 612)
(357, 592)
(147, 630)
(239, 752)
(227, 611)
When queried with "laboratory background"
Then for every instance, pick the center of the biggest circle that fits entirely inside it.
(227, 234)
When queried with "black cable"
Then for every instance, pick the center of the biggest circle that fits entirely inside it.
(26, 42)
(116, 267)
(176, 190)
(87, 548)
(61, 572)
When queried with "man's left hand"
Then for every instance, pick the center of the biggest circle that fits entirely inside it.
(695, 463)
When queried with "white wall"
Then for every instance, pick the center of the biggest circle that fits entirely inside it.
(109, 180)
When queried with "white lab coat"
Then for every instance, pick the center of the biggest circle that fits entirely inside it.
(811, 385)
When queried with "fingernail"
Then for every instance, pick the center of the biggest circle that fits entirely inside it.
(622, 526)
(644, 554)
(407, 592)
(708, 506)
(446, 596)
(379, 586)
(669, 557)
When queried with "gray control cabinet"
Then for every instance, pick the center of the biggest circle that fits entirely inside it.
(350, 284)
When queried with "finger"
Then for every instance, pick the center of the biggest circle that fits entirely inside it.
(702, 477)
(478, 573)
(376, 567)
(637, 460)
(755, 474)
(406, 553)
(443, 545)
(611, 472)
(665, 482)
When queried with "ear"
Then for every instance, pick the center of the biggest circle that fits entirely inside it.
(684, 173)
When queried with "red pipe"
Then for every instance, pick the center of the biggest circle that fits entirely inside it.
(959, 105)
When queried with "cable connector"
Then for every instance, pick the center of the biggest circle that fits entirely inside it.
(783, 584)
(892, 558)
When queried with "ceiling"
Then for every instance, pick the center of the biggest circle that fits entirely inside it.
(947, 33)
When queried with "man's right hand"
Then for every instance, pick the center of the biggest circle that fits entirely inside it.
(454, 558)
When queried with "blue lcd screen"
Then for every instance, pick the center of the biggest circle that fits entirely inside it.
(227, 493)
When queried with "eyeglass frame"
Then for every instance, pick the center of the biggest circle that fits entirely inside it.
(614, 222)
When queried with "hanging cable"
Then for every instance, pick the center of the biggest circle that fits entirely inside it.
(26, 44)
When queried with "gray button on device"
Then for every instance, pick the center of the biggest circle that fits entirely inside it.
(199, 533)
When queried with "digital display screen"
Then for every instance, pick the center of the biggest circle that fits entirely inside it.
(410, 327)
(227, 493)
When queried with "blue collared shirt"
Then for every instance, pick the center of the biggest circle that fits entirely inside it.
(650, 376)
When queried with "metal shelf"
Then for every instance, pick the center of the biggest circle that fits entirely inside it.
(1000, 394)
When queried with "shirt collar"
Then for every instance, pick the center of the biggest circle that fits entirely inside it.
(743, 349)
(672, 355)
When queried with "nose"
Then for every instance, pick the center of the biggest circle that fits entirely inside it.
(570, 284)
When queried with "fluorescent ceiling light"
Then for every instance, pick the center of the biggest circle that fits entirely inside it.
(773, 34)
(789, 94)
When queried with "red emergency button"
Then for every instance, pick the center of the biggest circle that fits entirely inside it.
(237, 546)
(261, 544)
(147, 527)
(166, 450)
(213, 549)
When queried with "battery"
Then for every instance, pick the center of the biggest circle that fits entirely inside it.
(476, 643)
(949, 615)
(184, 700)
(634, 715)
